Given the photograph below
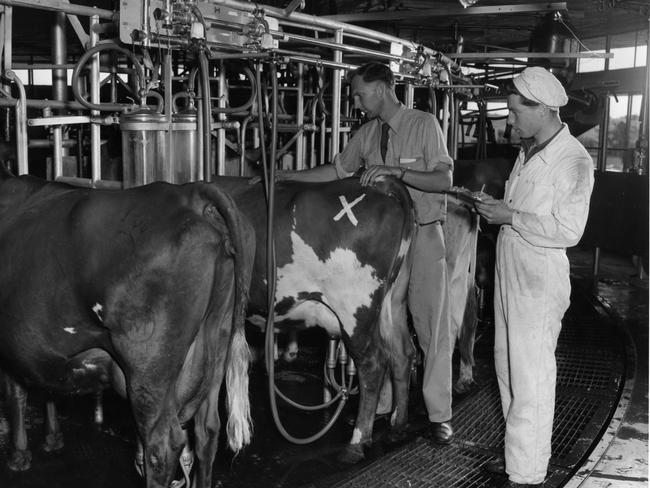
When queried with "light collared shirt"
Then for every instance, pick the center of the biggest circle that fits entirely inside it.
(550, 192)
(415, 142)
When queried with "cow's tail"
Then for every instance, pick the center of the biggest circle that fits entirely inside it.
(400, 267)
(395, 189)
(239, 426)
(467, 333)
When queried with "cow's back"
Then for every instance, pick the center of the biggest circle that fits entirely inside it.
(336, 243)
(69, 254)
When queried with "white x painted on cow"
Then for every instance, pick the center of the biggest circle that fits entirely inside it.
(347, 209)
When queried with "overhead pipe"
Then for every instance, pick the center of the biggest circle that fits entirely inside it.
(64, 6)
(312, 20)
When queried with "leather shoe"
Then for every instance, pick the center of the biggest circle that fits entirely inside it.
(512, 484)
(442, 432)
(495, 466)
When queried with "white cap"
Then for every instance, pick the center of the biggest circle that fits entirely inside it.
(540, 85)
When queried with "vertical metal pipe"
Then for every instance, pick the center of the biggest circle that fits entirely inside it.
(168, 172)
(409, 94)
(445, 116)
(95, 129)
(602, 137)
(144, 12)
(59, 86)
(21, 124)
(300, 119)
(5, 27)
(221, 132)
(453, 126)
(206, 111)
(336, 97)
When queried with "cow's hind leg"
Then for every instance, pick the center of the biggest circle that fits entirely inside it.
(53, 434)
(466, 340)
(371, 370)
(402, 354)
(20, 458)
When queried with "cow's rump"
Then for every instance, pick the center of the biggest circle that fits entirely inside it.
(342, 258)
(153, 279)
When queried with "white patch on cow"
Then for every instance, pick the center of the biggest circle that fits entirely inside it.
(393, 417)
(347, 209)
(70, 330)
(343, 281)
(98, 309)
(356, 436)
(404, 247)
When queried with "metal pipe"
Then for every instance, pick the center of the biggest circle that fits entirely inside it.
(300, 119)
(347, 48)
(145, 31)
(336, 98)
(409, 95)
(93, 79)
(319, 62)
(30, 103)
(59, 87)
(242, 145)
(222, 93)
(21, 124)
(63, 6)
(313, 20)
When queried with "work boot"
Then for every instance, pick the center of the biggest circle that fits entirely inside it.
(441, 432)
(495, 466)
(512, 484)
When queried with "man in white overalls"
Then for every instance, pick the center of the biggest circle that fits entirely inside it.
(543, 212)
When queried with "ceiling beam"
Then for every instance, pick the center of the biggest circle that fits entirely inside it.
(396, 15)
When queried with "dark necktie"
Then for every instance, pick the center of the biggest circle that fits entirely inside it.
(383, 143)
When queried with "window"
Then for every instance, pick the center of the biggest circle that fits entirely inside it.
(622, 131)
(629, 51)
(587, 65)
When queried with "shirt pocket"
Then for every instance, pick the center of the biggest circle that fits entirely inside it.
(411, 162)
(534, 197)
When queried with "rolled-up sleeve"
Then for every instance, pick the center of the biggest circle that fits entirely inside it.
(570, 208)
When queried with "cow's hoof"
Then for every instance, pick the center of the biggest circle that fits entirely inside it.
(20, 460)
(464, 387)
(396, 437)
(352, 454)
(53, 442)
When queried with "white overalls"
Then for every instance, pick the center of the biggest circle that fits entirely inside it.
(550, 195)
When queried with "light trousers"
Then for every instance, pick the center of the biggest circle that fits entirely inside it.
(428, 301)
(532, 293)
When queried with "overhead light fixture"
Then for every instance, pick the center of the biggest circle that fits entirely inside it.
(467, 3)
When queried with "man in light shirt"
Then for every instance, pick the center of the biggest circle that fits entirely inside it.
(544, 211)
(409, 145)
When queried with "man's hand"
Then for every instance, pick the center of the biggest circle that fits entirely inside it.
(372, 172)
(494, 211)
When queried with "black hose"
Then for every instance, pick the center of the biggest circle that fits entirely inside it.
(269, 181)
(206, 111)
